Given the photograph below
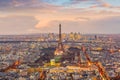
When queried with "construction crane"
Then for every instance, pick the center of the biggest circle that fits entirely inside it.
(101, 69)
(13, 66)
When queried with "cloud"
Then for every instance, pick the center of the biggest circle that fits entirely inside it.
(104, 25)
(104, 5)
(108, 25)
(16, 24)
(45, 6)
(80, 1)
(86, 3)
(76, 15)
(42, 15)
(82, 18)
(27, 5)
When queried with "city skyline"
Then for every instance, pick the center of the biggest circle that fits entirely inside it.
(42, 16)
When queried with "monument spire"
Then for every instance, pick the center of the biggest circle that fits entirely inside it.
(60, 49)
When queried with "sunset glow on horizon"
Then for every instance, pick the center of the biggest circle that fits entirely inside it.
(42, 16)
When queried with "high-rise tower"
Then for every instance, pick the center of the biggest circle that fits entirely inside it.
(60, 49)
(60, 45)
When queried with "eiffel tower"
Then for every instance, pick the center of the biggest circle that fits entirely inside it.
(60, 45)
(60, 49)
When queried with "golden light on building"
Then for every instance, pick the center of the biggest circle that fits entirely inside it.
(58, 52)
(119, 50)
(52, 62)
(63, 35)
(17, 63)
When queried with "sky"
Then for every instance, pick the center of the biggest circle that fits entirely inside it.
(44, 16)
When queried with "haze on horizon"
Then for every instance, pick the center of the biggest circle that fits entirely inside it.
(42, 16)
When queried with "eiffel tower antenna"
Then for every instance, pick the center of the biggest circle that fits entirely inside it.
(60, 36)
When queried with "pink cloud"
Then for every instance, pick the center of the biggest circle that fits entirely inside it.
(106, 5)
(103, 25)
(103, 4)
